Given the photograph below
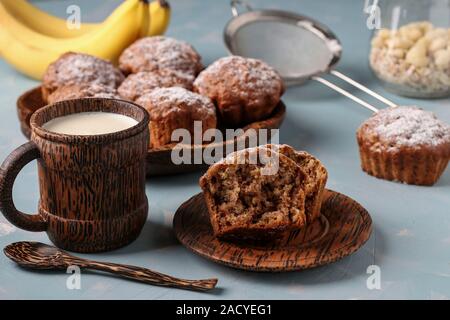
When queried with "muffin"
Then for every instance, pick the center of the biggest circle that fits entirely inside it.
(176, 108)
(76, 91)
(245, 200)
(316, 176)
(138, 84)
(157, 53)
(79, 68)
(244, 90)
(404, 144)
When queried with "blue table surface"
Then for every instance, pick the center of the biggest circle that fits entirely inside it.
(411, 237)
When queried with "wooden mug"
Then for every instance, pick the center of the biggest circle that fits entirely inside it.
(92, 187)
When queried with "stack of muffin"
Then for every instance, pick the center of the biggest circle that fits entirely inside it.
(165, 76)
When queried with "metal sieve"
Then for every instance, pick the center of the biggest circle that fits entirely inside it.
(298, 47)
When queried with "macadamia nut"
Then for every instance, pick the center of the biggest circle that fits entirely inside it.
(417, 56)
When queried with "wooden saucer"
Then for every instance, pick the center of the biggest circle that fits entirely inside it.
(159, 160)
(343, 228)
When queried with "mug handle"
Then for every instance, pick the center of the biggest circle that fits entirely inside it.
(8, 173)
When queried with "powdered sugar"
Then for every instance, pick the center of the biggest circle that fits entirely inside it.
(154, 53)
(251, 73)
(174, 98)
(409, 126)
(138, 84)
(88, 90)
(178, 94)
(77, 68)
(244, 89)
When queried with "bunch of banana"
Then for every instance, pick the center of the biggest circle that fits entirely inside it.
(31, 39)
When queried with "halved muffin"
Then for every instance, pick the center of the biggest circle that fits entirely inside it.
(255, 193)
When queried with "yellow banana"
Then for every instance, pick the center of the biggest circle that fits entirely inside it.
(145, 19)
(160, 14)
(159, 17)
(43, 22)
(127, 13)
(117, 32)
(156, 18)
(28, 60)
(31, 50)
(32, 17)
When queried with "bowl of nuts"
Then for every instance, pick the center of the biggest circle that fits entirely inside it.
(410, 52)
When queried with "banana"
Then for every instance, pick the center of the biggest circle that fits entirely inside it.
(145, 19)
(159, 17)
(28, 60)
(31, 51)
(125, 14)
(32, 17)
(43, 22)
(33, 59)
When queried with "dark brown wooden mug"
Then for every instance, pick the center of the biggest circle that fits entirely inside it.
(92, 187)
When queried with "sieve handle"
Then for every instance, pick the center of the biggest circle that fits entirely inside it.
(363, 88)
(345, 93)
(234, 6)
(357, 85)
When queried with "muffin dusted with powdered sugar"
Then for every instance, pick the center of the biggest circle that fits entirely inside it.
(79, 69)
(405, 144)
(76, 91)
(138, 84)
(175, 108)
(157, 53)
(244, 90)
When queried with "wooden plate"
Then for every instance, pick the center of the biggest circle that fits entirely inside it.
(343, 228)
(159, 159)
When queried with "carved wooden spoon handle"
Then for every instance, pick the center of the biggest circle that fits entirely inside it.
(149, 276)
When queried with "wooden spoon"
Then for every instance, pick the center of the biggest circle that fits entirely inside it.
(36, 255)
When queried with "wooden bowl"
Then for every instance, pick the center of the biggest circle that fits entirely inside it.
(159, 160)
(343, 227)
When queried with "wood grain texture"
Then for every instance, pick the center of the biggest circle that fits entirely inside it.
(343, 227)
(92, 188)
(36, 255)
(158, 159)
(9, 170)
